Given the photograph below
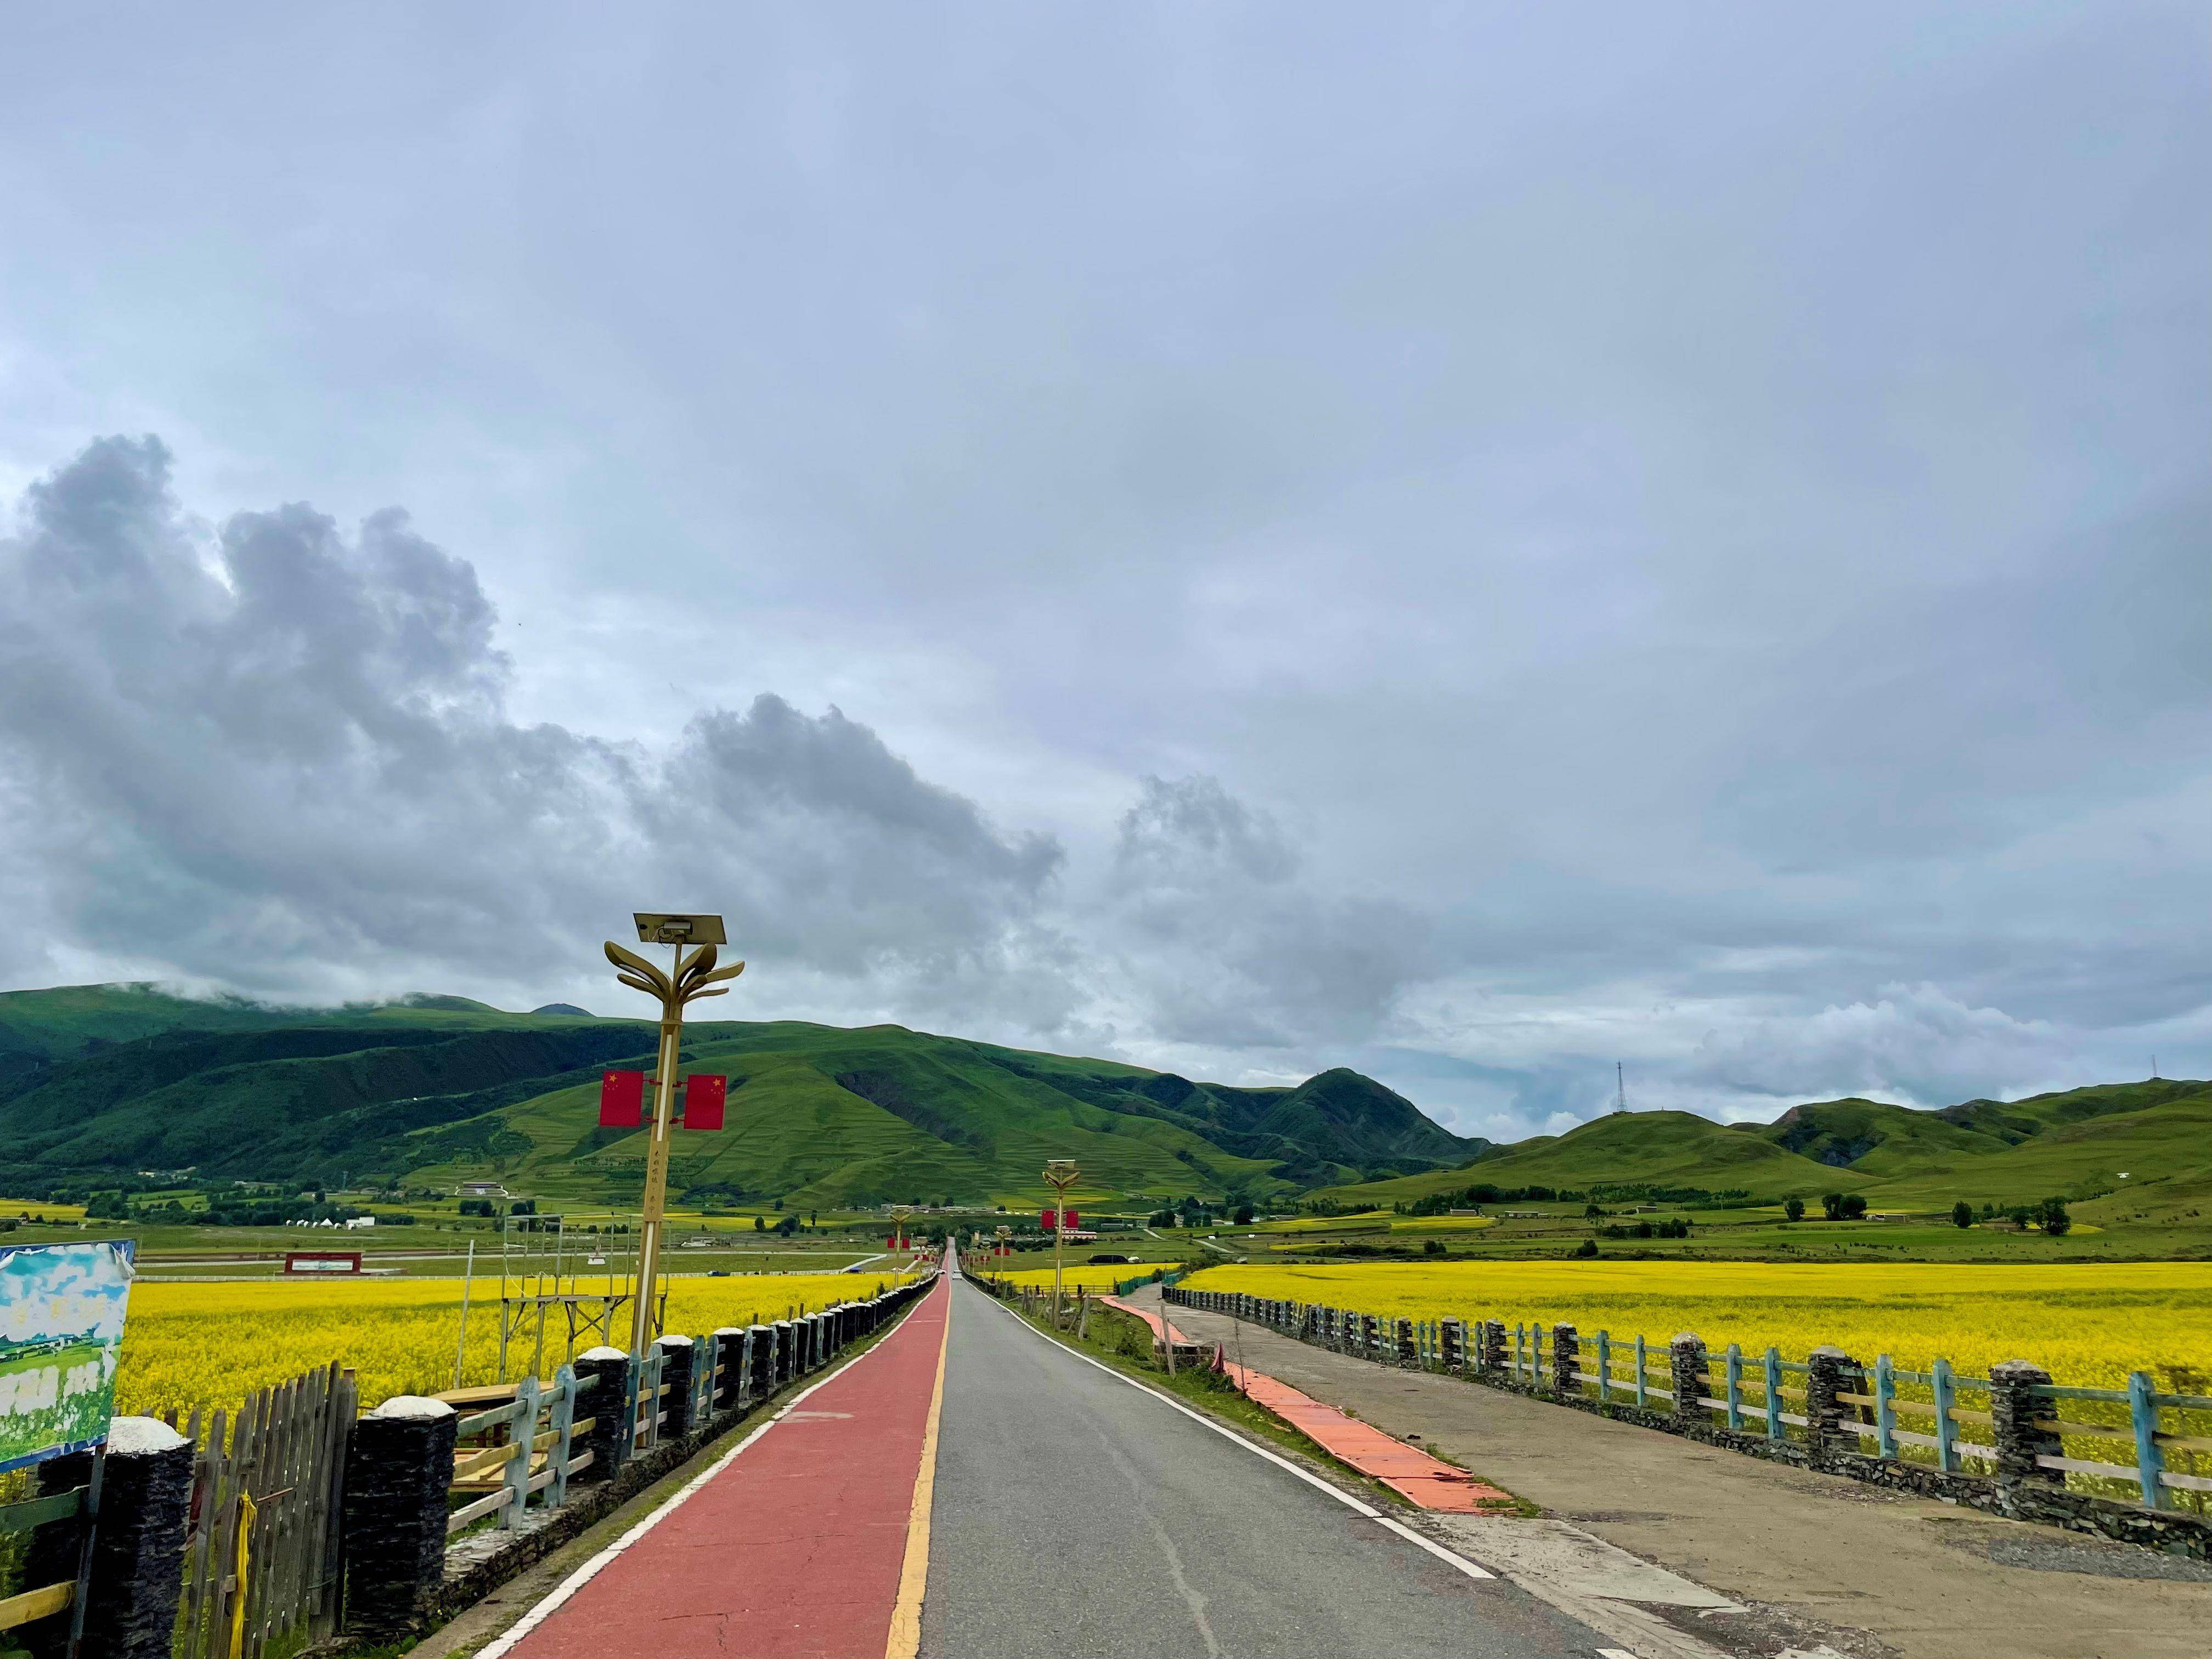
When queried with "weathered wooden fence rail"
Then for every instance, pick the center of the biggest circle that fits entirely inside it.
(2000, 1441)
(261, 1557)
(296, 1519)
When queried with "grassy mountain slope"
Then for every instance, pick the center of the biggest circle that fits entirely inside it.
(435, 1088)
(1876, 1138)
(2079, 1158)
(1660, 1149)
(2015, 1121)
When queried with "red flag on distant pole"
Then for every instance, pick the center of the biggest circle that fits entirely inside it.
(1049, 1219)
(622, 1100)
(703, 1096)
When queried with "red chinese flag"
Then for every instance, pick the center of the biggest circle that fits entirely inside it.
(1069, 1219)
(1047, 1219)
(621, 1099)
(703, 1096)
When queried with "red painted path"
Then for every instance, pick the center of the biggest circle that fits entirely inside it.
(791, 1549)
(1406, 1470)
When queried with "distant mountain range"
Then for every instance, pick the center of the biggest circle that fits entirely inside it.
(438, 1089)
(2080, 1143)
(434, 1090)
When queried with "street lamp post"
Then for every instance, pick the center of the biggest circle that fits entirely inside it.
(1060, 1174)
(689, 978)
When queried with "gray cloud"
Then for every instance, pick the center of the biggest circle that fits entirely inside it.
(1476, 546)
(277, 752)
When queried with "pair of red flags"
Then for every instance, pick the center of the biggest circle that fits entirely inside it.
(1050, 1220)
(622, 1100)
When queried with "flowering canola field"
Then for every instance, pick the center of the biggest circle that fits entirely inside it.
(213, 1345)
(2088, 1324)
(1103, 1277)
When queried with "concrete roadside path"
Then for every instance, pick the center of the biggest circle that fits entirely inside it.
(1863, 1570)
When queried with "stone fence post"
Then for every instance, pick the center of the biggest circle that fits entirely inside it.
(760, 1362)
(678, 1354)
(398, 1468)
(730, 1368)
(2014, 1409)
(1566, 1361)
(1829, 1372)
(1692, 1379)
(1451, 1337)
(604, 1405)
(1489, 1346)
(137, 1551)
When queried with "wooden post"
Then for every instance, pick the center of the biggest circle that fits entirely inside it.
(1946, 1431)
(1885, 1408)
(522, 1434)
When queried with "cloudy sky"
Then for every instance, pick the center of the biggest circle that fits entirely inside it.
(1240, 538)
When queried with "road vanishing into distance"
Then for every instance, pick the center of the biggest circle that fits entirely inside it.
(967, 1488)
(1077, 1513)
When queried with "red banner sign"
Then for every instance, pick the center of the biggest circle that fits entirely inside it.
(1047, 1219)
(1070, 1220)
(703, 1097)
(622, 1100)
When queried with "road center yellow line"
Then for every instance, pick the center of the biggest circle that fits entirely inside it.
(914, 1572)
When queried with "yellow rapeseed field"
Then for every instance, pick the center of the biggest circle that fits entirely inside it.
(1086, 1276)
(2088, 1324)
(212, 1345)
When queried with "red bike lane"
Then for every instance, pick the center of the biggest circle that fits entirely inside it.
(791, 1547)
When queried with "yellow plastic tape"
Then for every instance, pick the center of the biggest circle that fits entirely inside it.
(238, 1602)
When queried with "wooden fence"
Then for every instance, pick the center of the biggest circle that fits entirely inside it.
(261, 1559)
(522, 1447)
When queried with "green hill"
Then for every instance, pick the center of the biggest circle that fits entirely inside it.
(1876, 1138)
(1656, 1149)
(440, 1088)
(2083, 1157)
(434, 1090)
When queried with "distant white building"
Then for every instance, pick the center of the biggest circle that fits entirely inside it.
(482, 1189)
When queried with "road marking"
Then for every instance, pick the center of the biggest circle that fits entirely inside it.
(1615, 1653)
(1449, 1557)
(1258, 1450)
(500, 1646)
(914, 1572)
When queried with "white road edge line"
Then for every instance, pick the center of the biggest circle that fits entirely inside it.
(500, 1646)
(1615, 1653)
(1257, 1450)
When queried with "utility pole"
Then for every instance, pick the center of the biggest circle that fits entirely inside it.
(1621, 1086)
(689, 979)
(1060, 1174)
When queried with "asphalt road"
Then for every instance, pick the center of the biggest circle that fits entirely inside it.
(1077, 1515)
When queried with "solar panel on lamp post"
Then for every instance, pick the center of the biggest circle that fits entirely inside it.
(689, 979)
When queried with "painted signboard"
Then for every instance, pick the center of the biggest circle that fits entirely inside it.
(322, 1261)
(61, 1330)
